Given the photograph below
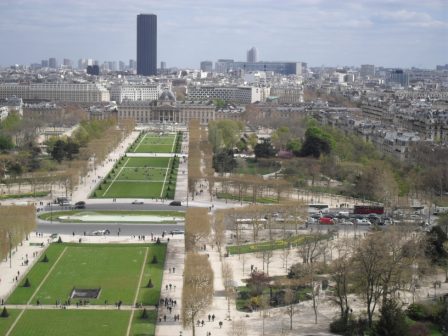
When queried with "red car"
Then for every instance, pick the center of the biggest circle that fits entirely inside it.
(326, 221)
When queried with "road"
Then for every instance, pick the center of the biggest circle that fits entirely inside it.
(125, 229)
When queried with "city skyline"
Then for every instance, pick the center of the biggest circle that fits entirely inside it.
(390, 33)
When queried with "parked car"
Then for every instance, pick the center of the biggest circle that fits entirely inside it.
(101, 232)
(138, 202)
(363, 221)
(311, 220)
(345, 222)
(175, 232)
(326, 221)
(175, 203)
(80, 205)
(388, 221)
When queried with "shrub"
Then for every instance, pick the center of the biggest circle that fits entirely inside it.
(417, 311)
(154, 259)
(339, 326)
(144, 314)
(158, 241)
(349, 326)
(426, 311)
(392, 320)
(45, 258)
(244, 295)
(150, 284)
(60, 240)
(27, 283)
(4, 313)
(419, 329)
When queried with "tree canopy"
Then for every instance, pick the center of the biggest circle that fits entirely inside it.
(317, 142)
(224, 133)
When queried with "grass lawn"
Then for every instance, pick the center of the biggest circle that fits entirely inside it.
(154, 143)
(268, 245)
(25, 195)
(21, 295)
(251, 166)
(72, 323)
(56, 214)
(151, 296)
(5, 323)
(115, 269)
(144, 327)
(140, 178)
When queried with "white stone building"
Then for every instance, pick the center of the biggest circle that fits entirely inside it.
(78, 93)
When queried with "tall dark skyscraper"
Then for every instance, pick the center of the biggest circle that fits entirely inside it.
(146, 44)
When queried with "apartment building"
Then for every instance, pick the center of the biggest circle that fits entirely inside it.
(77, 93)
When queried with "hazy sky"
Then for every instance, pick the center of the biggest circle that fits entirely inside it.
(320, 32)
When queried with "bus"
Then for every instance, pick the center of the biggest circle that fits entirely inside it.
(368, 209)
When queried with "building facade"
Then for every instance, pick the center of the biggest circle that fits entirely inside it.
(240, 94)
(166, 110)
(206, 66)
(78, 93)
(284, 68)
(120, 92)
(252, 55)
(147, 44)
(367, 71)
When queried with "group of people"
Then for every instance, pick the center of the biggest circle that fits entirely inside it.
(168, 303)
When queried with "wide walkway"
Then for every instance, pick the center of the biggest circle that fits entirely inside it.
(13, 270)
(84, 189)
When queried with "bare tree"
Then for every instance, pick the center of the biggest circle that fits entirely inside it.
(291, 305)
(197, 293)
(227, 278)
(197, 227)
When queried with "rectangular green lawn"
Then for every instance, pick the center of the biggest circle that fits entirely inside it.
(139, 178)
(153, 143)
(113, 268)
(74, 322)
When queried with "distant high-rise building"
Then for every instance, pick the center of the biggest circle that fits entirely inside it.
(398, 76)
(206, 66)
(52, 63)
(44, 63)
(252, 56)
(67, 63)
(146, 44)
(367, 70)
(132, 64)
(121, 65)
(162, 65)
(93, 70)
(112, 65)
(223, 65)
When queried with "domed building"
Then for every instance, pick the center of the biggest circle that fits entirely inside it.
(166, 109)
